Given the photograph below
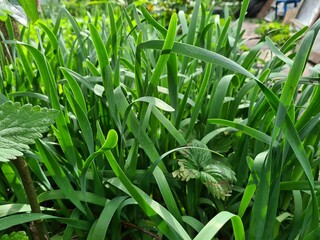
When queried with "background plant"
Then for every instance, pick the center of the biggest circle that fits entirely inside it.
(279, 33)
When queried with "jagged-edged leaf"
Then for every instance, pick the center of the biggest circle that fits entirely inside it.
(218, 178)
(15, 10)
(223, 141)
(199, 164)
(20, 126)
(198, 155)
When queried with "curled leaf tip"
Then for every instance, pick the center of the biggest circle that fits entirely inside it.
(111, 141)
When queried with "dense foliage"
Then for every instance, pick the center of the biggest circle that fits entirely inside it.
(163, 131)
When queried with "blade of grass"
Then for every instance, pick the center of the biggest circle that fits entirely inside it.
(142, 201)
(52, 163)
(277, 52)
(171, 129)
(156, 207)
(172, 69)
(261, 136)
(191, 32)
(76, 90)
(164, 57)
(215, 224)
(200, 98)
(100, 227)
(199, 53)
(47, 76)
(243, 11)
(82, 49)
(19, 219)
(218, 97)
(83, 120)
(153, 22)
(105, 70)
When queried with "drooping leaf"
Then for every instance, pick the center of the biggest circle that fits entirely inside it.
(20, 126)
(199, 164)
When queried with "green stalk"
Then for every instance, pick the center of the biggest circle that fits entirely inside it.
(24, 172)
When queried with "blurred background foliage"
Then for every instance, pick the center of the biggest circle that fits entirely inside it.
(157, 7)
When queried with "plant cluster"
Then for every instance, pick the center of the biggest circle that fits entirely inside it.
(161, 132)
(278, 32)
(21, 235)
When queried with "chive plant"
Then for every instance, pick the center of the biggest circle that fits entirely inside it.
(166, 131)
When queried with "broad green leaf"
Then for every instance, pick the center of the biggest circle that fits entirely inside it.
(20, 126)
(197, 163)
(15, 10)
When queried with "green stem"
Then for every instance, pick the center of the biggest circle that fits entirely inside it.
(22, 167)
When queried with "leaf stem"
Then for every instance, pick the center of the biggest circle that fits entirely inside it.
(127, 224)
(24, 172)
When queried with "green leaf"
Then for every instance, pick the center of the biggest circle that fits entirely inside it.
(152, 209)
(111, 141)
(19, 219)
(100, 227)
(198, 53)
(30, 7)
(166, 49)
(199, 164)
(11, 209)
(51, 161)
(156, 102)
(14, 9)
(20, 126)
(215, 224)
(10, 221)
